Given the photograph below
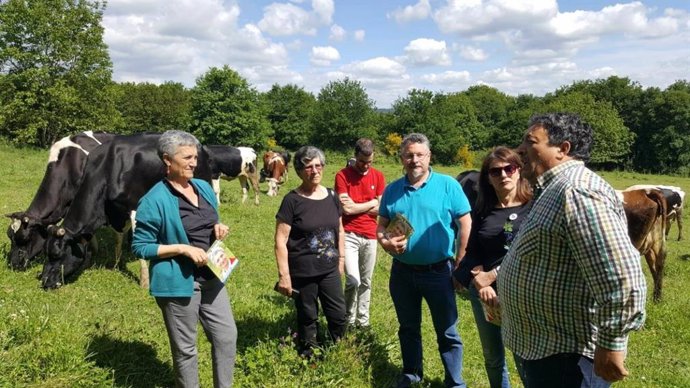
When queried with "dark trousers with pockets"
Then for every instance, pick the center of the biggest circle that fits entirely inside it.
(328, 289)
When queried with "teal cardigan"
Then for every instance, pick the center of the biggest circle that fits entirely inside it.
(158, 223)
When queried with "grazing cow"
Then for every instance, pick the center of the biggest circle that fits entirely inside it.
(230, 163)
(116, 176)
(27, 230)
(675, 200)
(275, 170)
(646, 212)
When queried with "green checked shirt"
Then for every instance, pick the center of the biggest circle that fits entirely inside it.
(572, 279)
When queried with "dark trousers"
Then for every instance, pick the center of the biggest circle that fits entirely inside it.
(329, 290)
(563, 370)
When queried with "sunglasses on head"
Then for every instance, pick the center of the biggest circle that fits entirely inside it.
(508, 169)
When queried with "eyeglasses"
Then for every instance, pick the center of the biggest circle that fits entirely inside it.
(313, 167)
(420, 155)
(509, 169)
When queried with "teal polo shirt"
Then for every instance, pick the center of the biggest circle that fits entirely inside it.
(432, 210)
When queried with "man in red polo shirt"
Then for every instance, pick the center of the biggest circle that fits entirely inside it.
(360, 187)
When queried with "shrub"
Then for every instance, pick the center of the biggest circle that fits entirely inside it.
(465, 157)
(392, 145)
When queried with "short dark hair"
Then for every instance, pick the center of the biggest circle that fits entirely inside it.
(364, 147)
(562, 127)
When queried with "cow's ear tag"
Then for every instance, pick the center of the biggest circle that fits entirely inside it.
(16, 223)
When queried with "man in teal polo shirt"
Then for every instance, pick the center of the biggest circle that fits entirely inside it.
(423, 263)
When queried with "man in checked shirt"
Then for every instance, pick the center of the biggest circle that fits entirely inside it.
(571, 286)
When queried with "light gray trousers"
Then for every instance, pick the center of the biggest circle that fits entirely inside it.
(210, 305)
(360, 258)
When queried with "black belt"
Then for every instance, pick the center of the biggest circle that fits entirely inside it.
(438, 266)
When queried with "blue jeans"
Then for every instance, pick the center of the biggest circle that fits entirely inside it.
(565, 370)
(492, 345)
(407, 288)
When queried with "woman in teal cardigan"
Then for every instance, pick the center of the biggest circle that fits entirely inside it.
(176, 223)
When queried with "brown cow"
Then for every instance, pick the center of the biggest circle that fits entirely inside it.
(275, 170)
(646, 212)
(675, 200)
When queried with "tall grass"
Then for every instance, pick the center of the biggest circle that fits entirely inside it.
(102, 330)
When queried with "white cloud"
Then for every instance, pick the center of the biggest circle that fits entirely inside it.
(539, 27)
(284, 19)
(472, 53)
(376, 67)
(324, 10)
(263, 77)
(478, 17)
(419, 11)
(323, 56)
(447, 78)
(427, 52)
(628, 18)
(359, 35)
(144, 46)
(337, 33)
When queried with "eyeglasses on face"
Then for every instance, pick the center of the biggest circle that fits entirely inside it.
(313, 167)
(509, 169)
(411, 156)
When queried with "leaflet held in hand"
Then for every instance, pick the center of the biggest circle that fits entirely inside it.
(221, 260)
(492, 314)
(399, 226)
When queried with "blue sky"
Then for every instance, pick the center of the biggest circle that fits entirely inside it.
(517, 46)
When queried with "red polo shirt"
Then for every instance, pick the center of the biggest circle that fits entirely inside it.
(360, 188)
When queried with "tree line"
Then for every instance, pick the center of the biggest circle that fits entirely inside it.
(56, 79)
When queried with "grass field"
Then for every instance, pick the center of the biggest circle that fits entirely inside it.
(102, 330)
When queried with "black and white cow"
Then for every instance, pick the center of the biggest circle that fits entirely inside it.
(675, 200)
(116, 176)
(229, 163)
(66, 161)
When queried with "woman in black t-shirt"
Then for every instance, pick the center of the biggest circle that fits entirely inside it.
(310, 252)
(503, 201)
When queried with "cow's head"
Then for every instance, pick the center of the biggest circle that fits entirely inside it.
(66, 256)
(27, 237)
(272, 187)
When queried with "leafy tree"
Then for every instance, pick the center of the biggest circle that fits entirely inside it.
(448, 120)
(343, 113)
(612, 139)
(226, 110)
(670, 143)
(290, 108)
(147, 107)
(56, 70)
(492, 107)
(514, 126)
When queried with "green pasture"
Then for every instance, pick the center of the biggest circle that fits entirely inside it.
(102, 330)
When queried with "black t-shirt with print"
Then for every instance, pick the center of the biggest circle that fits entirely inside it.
(490, 238)
(313, 241)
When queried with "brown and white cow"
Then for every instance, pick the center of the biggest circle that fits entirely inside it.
(675, 200)
(646, 212)
(275, 170)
